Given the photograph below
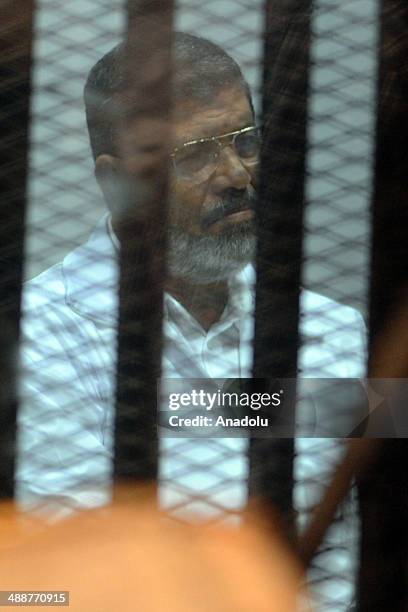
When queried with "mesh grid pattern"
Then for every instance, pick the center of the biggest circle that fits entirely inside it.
(341, 138)
(342, 102)
(64, 200)
(69, 326)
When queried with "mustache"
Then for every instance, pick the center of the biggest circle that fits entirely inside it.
(231, 203)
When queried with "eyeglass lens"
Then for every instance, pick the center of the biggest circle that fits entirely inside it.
(201, 157)
(193, 158)
(247, 144)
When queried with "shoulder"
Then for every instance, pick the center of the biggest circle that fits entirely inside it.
(44, 289)
(65, 359)
(43, 308)
(50, 328)
(333, 338)
(48, 325)
(44, 299)
(68, 315)
(333, 335)
(320, 314)
(77, 292)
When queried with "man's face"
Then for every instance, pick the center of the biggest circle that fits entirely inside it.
(191, 198)
(211, 218)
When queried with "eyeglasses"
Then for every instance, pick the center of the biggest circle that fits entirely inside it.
(198, 159)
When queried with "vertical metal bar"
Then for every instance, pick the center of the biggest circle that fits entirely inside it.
(15, 67)
(384, 490)
(280, 215)
(141, 230)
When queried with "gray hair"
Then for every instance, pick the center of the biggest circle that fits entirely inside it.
(201, 69)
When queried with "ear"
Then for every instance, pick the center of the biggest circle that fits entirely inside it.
(107, 174)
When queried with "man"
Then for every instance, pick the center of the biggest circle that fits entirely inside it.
(70, 311)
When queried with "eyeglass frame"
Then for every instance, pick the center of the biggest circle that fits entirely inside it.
(217, 139)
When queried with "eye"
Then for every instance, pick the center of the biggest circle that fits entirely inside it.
(248, 144)
(192, 158)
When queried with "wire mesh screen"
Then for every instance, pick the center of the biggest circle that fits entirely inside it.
(315, 98)
(209, 476)
(342, 103)
(65, 203)
(63, 206)
(340, 165)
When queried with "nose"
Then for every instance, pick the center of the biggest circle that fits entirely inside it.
(230, 172)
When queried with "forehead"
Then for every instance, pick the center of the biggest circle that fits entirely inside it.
(230, 110)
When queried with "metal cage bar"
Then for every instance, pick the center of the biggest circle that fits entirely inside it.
(383, 490)
(280, 216)
(16, 39)
(141, 231)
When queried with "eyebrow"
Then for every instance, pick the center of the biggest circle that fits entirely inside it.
(244, 123)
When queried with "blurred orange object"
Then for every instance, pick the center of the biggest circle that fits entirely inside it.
(128, 556)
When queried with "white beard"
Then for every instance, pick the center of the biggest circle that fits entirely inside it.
(207, 259)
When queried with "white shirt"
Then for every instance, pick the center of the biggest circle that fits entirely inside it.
(68, 357)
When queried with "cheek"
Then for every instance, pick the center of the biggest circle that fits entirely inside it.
(254, 172)
(185, 204)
